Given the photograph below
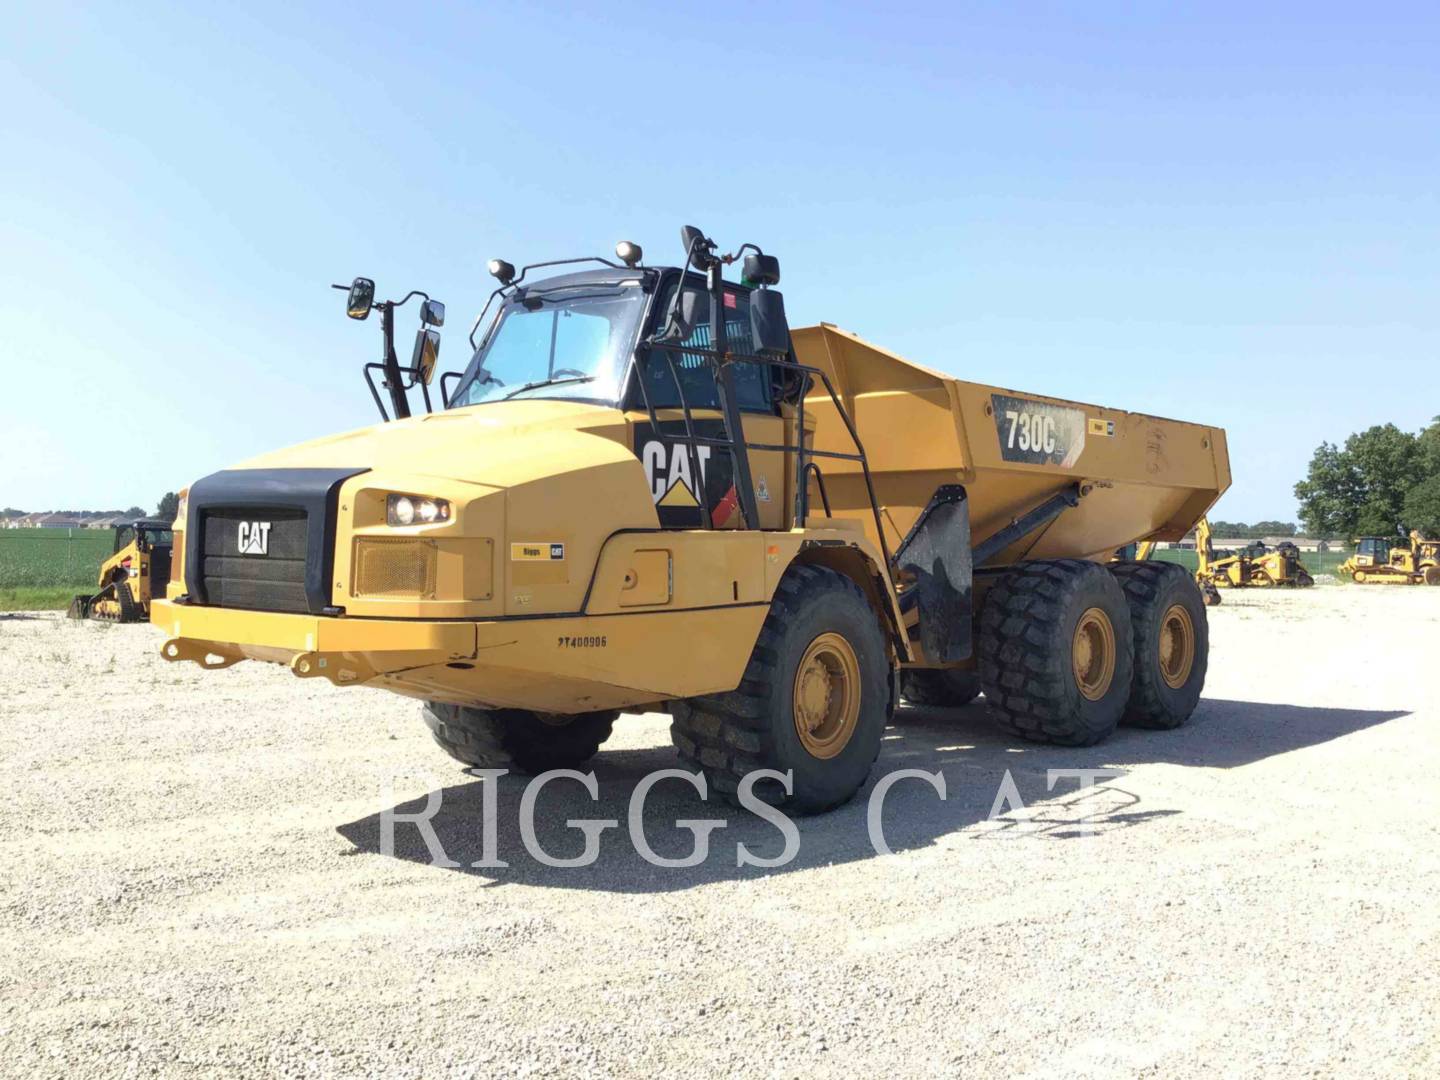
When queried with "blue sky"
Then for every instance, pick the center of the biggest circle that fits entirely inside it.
(1215, 212)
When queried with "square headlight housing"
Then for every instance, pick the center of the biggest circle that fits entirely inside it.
(403, 510)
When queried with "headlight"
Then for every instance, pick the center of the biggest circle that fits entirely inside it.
(409, 509)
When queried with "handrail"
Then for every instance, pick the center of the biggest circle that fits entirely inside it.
(738, 445)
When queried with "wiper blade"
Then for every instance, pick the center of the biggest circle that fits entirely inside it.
(548, 382)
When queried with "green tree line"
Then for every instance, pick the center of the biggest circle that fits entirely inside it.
(1382, 482)
(165, 509)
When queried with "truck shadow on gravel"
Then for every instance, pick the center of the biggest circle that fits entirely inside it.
(960, 743)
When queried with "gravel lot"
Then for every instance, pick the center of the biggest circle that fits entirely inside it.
(193, 883)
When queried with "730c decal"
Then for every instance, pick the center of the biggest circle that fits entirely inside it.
(1037, 432)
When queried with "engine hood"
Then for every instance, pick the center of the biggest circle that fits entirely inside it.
(500, 444)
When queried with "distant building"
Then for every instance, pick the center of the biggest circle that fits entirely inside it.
(58, 521)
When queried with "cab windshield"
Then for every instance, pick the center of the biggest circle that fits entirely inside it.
(567, 341)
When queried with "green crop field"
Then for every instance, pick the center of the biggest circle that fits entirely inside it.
(43, 568)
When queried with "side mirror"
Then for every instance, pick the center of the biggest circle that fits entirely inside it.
(427, 352)
(432, 313)
(362, 297)
(689, 234)
(760, 270)
(769, 328)
(692, 311)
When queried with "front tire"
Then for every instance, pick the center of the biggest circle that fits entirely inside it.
(1170, 636)
(516, 738)
(1055, 652)
(814, 699)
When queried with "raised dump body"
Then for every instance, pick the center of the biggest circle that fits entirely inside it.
(1142, 477)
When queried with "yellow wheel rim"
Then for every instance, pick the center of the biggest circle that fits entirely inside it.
(1177, 646)
(1092, 653)
(827, 696)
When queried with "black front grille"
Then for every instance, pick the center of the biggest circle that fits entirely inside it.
(254, 557)
(225, 568)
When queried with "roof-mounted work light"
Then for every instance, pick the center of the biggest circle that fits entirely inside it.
(501, 270)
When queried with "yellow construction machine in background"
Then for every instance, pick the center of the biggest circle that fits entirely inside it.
(1377, 562)
(138, 569)
(1253, 567)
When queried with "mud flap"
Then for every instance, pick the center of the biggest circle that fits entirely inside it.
(936, 552)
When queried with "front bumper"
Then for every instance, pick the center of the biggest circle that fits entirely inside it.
(345, 651)
(563, 664)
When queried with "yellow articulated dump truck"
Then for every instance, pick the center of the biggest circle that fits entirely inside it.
(645, 492)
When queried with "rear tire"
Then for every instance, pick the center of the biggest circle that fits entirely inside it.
(1432, 575)
(814, 699)
(516, 738)
(1055, 651)
(939, 688)
(1170, 637)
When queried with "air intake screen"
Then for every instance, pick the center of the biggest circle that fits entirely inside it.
(401, 567)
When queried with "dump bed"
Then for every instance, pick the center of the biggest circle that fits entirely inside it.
(1144, 477)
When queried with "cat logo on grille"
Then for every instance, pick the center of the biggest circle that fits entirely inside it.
(254, 537)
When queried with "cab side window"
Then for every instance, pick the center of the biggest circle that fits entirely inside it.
(752, 381)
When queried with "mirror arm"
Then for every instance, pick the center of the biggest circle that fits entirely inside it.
(728, 259)
(393, 381)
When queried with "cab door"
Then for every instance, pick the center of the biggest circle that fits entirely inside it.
(670, 463)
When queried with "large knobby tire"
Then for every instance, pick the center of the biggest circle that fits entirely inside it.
(516, 738)
(814, 699)
(1171, 639)
(1055, 652)
(1431, 575)
(939, 687)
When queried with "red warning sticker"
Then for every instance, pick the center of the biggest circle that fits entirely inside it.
(730, 299)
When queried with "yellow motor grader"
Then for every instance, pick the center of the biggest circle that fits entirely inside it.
(1376, 562)
(645, 492)
(137, 571)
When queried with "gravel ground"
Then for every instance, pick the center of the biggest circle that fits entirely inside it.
(194, 883)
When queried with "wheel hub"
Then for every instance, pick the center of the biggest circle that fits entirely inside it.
(826, 698)
(1092, 654)
(1177, 646)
